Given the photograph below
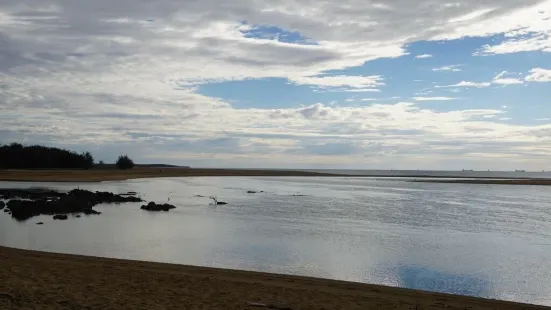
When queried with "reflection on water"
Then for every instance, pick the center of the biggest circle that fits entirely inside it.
(483, 240)
(427, 279)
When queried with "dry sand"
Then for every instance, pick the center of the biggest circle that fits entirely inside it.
(111, 174)
(97, 175)
(39, 280)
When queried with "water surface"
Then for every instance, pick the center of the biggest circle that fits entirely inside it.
(483, 240)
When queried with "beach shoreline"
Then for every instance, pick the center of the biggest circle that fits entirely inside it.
(101, 175)
(545, 182)
(32, 279)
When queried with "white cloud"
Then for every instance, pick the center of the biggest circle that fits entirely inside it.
(536, 43)
(529, 29)
(505, 119)
(356, 82)
(363, 90)
(433, 98)
(539, 75)
(453, 68)
(543, 119)
(466, 84)
(500, 79)
(507, 81)
(125, 79)
(422, 56)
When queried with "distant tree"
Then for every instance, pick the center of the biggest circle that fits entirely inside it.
(18, 156)
(101, 162)
(124, 162)
(88, 160)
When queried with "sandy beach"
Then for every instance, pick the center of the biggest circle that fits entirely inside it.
(98, 175)
(39, 280)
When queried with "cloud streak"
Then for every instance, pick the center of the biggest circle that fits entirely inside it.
(433, 98)
(452, 68)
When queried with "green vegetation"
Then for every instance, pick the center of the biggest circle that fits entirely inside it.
(124, 162)
(18, 156)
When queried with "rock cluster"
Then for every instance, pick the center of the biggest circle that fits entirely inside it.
(152, 206)
(34, 202)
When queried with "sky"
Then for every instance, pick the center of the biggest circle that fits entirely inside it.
(397, 84)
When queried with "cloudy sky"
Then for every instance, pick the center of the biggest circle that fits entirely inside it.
(395, 84)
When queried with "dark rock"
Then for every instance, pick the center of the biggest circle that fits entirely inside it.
(29, 193)
(129, 194)
(60, 217)
(251, 192)
(2, 205)
(50, 202)
(6, 210)
(221, 203)
(77, 216)
(90, 212)
(199, 196)
(298, 195)
(152, 206)
(39, 223)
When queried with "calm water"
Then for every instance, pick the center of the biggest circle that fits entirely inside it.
(491, 241)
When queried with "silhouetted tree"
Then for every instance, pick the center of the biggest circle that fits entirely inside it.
(89, 160)
(124, 162)
(18, 156)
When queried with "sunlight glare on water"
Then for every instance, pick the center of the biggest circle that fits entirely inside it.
(483, 240)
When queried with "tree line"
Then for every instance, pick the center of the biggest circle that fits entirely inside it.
(18, 156)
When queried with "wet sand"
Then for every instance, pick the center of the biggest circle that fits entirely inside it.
(491, 181)
(39, 280)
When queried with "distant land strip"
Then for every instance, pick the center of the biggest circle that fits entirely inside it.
(490, 181)
(98, 175)
(110, 173)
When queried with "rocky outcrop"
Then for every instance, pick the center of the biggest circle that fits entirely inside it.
(61, 217)
(152, 206)
(129, 194)
(39, 223)
(47, 202)
(30, 193)
(2, 205)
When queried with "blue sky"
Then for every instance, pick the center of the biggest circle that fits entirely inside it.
(407, 77)
(284, 84)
